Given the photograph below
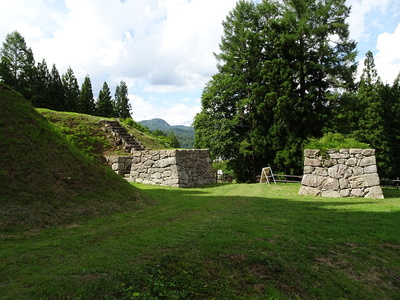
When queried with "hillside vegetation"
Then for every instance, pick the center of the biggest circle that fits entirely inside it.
(185, 134)
(44, 179)
(85, 132)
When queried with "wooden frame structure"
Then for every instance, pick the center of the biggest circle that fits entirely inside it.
(266, 173)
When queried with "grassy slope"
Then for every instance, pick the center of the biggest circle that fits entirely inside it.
(44, 179)
(86, 133)
(231, 241)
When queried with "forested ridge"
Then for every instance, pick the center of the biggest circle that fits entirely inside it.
(287, 74)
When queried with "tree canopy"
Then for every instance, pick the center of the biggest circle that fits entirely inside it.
(48, 89)
(105, 104)
(122, 107)
(279, 67)
(17, 63)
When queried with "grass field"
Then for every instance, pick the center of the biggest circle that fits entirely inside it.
(226, 241)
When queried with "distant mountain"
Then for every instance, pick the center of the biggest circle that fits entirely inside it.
(185, 134)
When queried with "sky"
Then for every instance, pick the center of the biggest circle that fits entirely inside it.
(163, 49)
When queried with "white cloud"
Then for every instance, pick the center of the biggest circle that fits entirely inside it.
(167, 43)
(162, 46)
(178, 114)
(387, 60)
(369, 19)
(358, 20)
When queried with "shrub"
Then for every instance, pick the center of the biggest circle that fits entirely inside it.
(335, 141)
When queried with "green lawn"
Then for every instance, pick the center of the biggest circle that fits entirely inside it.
(232, 241)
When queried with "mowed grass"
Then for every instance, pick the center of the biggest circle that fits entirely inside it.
(226, 241)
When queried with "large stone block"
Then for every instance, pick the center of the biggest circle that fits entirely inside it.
(330, 184)
(375, 192)
(337, 171)
(368, 161)
(321, 171)
(345, 193)
(357, 192)
(305, 191)
(351, 162)
(365, 180)
(358, 171)
(311, 153)
(312, 180)
(330, 193)
(312, 162)
(371, 169)
(368, 152)
(165, 162)
(355, 151)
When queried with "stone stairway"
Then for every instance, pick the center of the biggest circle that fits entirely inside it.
(127, 141)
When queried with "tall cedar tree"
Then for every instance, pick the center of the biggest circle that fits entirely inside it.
(122, 106)
(71, 90)
(86, 103)
(56, 90)
(279, 63)
(41, 80)
(372, 118)
(105, 104)
(392, 118)
(17, 64)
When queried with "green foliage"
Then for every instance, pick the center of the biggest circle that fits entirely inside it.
(81, 130)
(335, 141)
(224, 166)
(184, 134)
(17, 64)
(227, 241)
(143, 134)
(86, 103)
(105, 105)
(56, 91)
(122, 107)
(134, 124)
(45, 180)
(71, 90)
(173, 140)
(277, 71)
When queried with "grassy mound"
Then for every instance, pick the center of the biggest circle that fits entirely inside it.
(335, 141)
(85, 132)
(44, 179)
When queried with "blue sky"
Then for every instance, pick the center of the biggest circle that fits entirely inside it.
(163, 49)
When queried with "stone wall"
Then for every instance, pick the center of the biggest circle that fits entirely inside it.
(175, 168)
(343, 173)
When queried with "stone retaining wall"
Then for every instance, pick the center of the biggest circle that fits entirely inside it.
(344, 173)
(175, 168)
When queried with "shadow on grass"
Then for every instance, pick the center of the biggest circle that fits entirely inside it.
(202, 243)
(391, 193)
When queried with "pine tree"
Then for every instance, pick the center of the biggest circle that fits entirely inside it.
(56, 90)
(40, 84)
(17, 64)
(280, 63)
(105, 105)
(86, 103)
(71, 90)
(122, 106)
(372, 118)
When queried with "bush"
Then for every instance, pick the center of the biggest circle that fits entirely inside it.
(335, 141)
(136, 125)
